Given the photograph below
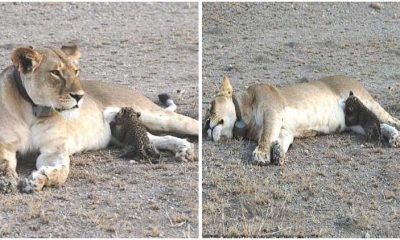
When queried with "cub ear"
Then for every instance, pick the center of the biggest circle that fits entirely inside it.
(351, 93)
(72, 51)
(226, 88)
(26, 59)
(138, 114)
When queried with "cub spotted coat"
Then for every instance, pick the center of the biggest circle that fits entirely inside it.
(132, 135)
(357, 114)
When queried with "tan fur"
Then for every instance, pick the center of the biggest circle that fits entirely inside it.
(283, 113)
(78, 125)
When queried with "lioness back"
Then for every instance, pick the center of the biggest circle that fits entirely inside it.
(108, 94)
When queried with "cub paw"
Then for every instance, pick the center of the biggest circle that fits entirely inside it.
(394, 141)
(8, 183)
(260, 157)
(186, 153)
(277, 154)
(27, 186)
(31, 185)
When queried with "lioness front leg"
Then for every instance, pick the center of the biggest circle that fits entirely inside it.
(271, 126)
(183, 150)
(52, 170)
(8, 175)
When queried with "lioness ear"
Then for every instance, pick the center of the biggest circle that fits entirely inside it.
(226, 88)
(26, 59)
(72, 51)
(351, 93)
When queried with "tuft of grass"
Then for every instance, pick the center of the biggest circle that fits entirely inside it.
(263, 199)
(178, 218)
(5, 229)
(154, 206)
(155, 232)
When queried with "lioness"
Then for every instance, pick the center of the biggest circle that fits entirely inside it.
(45, 107)
(274, 116)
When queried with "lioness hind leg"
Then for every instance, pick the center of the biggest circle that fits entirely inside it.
(160, 121)
(391, 134)
(184, 150)
(170, 122)
(52, 170)
(8, 175)
(382, 114)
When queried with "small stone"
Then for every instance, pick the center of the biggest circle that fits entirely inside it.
(132, 162)
(376, 5)
(366, 235)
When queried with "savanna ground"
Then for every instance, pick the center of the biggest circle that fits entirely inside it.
(150, 47)
(330, 186)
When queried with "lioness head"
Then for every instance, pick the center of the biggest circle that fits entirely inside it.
(222, 115)
(50, 76)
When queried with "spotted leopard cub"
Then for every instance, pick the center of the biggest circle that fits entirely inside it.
(129, 132)
(357, 114)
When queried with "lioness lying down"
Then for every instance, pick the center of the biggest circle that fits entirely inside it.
(274, 116)
(45, 107)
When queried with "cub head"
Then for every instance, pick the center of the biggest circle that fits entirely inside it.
(352, 109)
(125, 114)
(221, 115)
(51, 76)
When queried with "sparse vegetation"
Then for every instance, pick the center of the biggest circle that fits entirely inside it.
(105, 196)
(330, 186)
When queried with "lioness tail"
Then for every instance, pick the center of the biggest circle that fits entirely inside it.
(167, 101)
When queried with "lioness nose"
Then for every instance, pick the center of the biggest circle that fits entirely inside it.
(77, 97)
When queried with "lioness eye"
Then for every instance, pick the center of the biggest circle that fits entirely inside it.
(55, 72)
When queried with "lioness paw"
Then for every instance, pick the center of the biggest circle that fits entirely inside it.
(260, 157)
(277, 154)
(186, 153)
(392, 134)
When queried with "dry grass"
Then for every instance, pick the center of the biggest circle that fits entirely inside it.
(330, 186)
(105, 196)
(155, 232)
(5, 229)
(178, 218)
(154, 206)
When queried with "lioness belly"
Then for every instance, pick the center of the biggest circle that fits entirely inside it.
(322, 118)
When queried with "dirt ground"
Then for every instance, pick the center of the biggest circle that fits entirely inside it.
(152, 47)
(330, 186)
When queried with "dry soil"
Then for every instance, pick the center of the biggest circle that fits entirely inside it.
(330, 186)
(151, 47)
